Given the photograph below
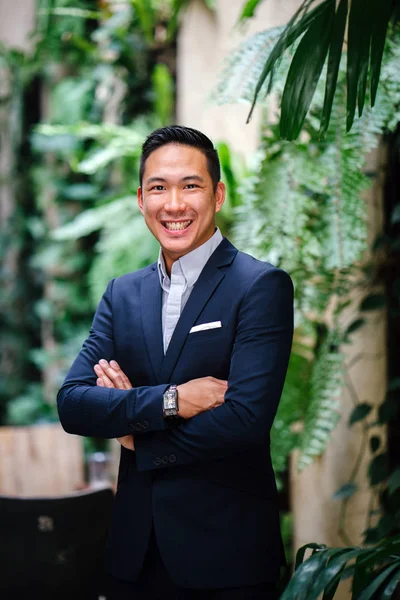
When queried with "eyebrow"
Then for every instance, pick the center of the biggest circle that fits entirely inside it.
(187, 178)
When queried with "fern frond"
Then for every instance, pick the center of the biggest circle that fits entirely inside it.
(323, 410)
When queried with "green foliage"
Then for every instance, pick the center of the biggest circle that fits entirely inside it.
(323, 411)
(302, 209)
(101, 74)
(319, 27)
(375, 571)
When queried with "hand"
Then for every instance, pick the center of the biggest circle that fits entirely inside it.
(112, 376)
(199, 395)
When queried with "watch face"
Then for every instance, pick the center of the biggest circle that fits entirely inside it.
(170, 402)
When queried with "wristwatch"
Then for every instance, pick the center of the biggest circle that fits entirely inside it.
(170, 403)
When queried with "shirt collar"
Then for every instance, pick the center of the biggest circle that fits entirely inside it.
(191, 264)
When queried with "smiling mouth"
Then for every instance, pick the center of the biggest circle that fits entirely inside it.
(176, 225)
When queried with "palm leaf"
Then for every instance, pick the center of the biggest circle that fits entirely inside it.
(357, 55)
(301, 584)
(305, 71)
(380, 21)
(377, 582)
(289, 35)
(335, 53)
(367, 29)
(392, 586)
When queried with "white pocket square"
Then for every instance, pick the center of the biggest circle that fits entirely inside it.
(204, 326)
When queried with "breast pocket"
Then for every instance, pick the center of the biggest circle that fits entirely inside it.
(216, 336)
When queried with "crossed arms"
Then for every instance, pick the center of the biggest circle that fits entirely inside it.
(195, 396)
(243, 419)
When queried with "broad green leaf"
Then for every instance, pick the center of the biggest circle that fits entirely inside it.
(302, 581)
(373, 302)
(163, 93)
(391, 587)
(335, 566)
(361, 576)
(301, 552)
(359, 412)
(249, 9)
(374, 443)
(289, 35)
(145, 12)
(369, 592)
(178, 7)
(354, 326)
(304, 73)
(94, 219)
(80, 13)
(380, 15)
(335, 53)
(79, 191)
(345, 491)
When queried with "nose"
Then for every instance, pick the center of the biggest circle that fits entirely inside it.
(174, 202)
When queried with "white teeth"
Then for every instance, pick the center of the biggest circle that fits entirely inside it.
(177, 226)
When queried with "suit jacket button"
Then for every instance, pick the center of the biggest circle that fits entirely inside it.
(145, 424)
(132, 426)
(138, 426)
(172, 458)
(157, 461)
(164, 460)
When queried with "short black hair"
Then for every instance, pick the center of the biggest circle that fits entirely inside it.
(177, 134)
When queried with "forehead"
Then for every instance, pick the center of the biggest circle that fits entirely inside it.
(175, 159)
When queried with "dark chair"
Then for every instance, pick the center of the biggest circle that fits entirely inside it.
(53, 547)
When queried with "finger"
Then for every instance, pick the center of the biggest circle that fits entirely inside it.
(114, 365)
(99, 382)
(106, 381)
(101, 375)
(98, 370)
(112, 374)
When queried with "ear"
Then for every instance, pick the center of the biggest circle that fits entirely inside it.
(140, 199)
(220, 193)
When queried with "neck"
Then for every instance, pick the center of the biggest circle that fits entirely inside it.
(170, 259)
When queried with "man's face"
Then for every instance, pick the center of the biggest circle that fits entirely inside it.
(177, 199)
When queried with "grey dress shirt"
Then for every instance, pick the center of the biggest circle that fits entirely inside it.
(184, 273)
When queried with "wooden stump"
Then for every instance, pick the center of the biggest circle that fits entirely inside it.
(40, 460)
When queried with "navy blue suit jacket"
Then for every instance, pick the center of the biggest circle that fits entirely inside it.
(207, 484)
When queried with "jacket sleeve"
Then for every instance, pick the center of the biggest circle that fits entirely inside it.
(258, 368)
(86, 409)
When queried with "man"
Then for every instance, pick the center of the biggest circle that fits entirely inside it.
(185, 364)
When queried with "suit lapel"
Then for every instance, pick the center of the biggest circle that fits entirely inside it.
(209, 279)
(150, 296)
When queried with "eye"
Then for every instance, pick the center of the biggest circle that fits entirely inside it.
(191, 186)
(157, 188)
